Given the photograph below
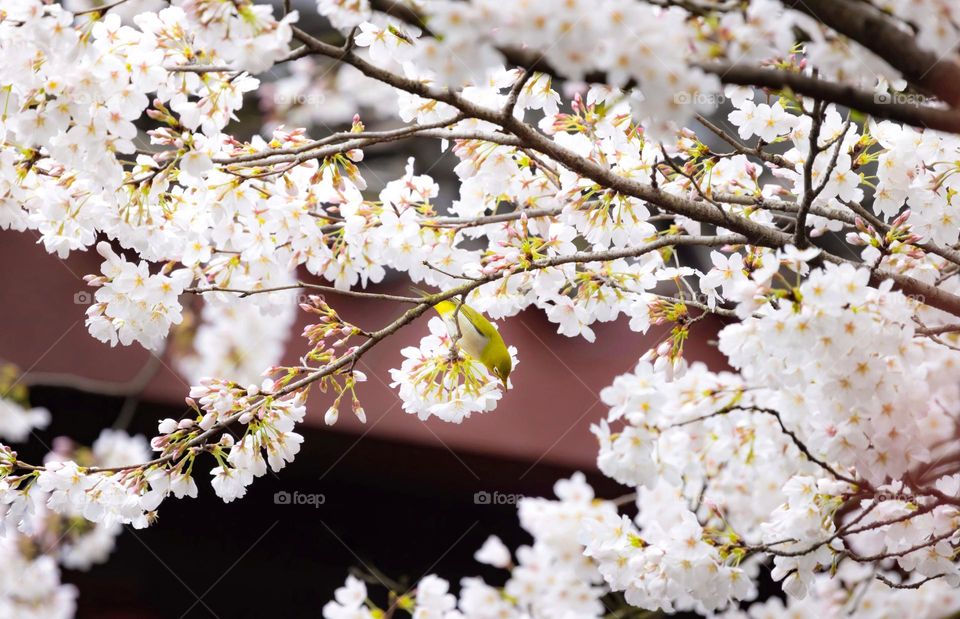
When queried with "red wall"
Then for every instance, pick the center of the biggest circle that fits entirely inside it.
(546, 417)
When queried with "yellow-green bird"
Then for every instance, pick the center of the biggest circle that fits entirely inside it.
(478, 337)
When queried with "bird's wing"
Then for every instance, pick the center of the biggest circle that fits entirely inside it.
(479, 322)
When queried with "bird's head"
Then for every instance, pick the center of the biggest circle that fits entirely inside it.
(501, 368)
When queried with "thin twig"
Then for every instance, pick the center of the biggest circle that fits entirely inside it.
(306, 285)
(813, 149)
(123, 389)
(742, 148)
(100, 9)
(514, 93)
(911, 585)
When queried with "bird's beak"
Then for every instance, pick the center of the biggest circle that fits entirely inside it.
(504, 381)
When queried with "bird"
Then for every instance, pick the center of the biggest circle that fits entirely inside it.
(476, 336)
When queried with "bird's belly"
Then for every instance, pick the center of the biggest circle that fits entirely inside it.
(471, 341)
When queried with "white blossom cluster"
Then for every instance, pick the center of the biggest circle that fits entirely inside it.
(42, 531)
(550, 578)
(237, 340)
(98, 497)
(861, 408)
(73, 91)
(627, 42)
(436, 379)
(31, 587)
(928, 189)
(269, 432)
(16, 422)
(807, 378)
(133, 304)
(853, 592)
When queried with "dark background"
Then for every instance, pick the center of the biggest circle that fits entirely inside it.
(401, 509)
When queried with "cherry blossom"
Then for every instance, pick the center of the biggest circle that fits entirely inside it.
(437, 379)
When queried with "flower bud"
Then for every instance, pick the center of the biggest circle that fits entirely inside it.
(900, 219)
(166, 426)
(208, 420)
(331, 416)
(854, 239)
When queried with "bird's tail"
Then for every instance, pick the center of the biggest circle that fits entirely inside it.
(443, 307)
(419, 291)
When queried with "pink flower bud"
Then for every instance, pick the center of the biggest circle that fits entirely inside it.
(900, 219)
(854, 239)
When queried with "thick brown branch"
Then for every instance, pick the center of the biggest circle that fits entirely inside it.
(868, 26)
(841, 94)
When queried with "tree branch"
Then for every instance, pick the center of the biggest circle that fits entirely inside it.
(874, 30)
(840, 94)
(301, 285)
